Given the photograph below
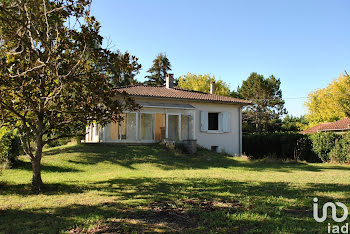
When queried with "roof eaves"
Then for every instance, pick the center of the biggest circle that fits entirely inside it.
(335, 129)
(192, 99)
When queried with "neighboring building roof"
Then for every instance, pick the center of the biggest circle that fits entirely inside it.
(340, 125)
(314, 129)
(178, 93)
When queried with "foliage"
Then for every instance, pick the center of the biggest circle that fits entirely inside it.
(10, 146)
(329, 104)
(341, 151)
(267, 98)
(324, 146)
(59, 142)
(323, 143)
(160, 68)
(344, 97)
(54, 73)
(136, 189)
(294, 124)
(124, 69)
(283, 145)
(202, 83)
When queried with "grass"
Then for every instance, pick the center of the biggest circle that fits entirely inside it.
(103, 188)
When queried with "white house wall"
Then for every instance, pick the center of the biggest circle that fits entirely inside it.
(229, 142)
(93, 134)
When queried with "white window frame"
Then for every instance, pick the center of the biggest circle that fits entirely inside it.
(178, 123)
(221, 129)
(167, 113)
(219, 114)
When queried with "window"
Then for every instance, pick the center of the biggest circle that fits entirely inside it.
(96, 129)
(146, 126)
(185, 131)
(173, 127)
(122, 128)
(131, 126)
(213, 121)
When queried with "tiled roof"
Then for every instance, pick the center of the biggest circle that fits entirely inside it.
(178, 93)
(314, 129)
(340, 125)
(343, 124)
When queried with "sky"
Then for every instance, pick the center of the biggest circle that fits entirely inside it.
(304, 43)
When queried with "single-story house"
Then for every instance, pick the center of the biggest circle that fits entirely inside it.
(175, 114)
(342, 125)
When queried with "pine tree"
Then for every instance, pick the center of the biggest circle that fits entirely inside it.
(159, 70)
(268, 105)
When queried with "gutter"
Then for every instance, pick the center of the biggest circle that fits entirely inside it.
(333, 130)
(196, 100)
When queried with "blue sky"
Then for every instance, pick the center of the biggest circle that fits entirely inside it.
(304, 43)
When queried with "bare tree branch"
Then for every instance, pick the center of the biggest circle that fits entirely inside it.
(29, 70)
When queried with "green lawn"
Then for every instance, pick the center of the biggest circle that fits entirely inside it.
(99, 188)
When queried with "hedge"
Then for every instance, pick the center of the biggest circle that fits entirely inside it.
(10, 146)
(286, 145)
(332, 147)
(316, 147)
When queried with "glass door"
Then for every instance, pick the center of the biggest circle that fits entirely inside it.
(173, 127)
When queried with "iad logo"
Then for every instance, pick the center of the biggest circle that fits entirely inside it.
(334, 211)
(334, 228)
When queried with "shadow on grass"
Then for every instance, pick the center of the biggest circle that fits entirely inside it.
(160, 189)
(25, 165)
(127, 156)
(166, 204)
(214, 205)
(48, 189)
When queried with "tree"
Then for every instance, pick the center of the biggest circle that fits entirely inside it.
(344, 98)
(160, 68)
(54, 73)
(124, 69)
(329, 104)
(268, 105)
(202, 83)
(294, 124)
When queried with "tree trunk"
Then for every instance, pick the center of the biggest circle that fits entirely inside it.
(37, 183)
(36, 164)
(258, 121)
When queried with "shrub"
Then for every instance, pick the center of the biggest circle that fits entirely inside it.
(323, 143)
(59, 142)
(78, 139)
(325, 146)
(303, 150)
(286, 145)
(341, 151)
(10, 146)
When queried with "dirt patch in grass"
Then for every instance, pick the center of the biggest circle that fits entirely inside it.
(298, 212)
(162, 216)
(124, 226)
